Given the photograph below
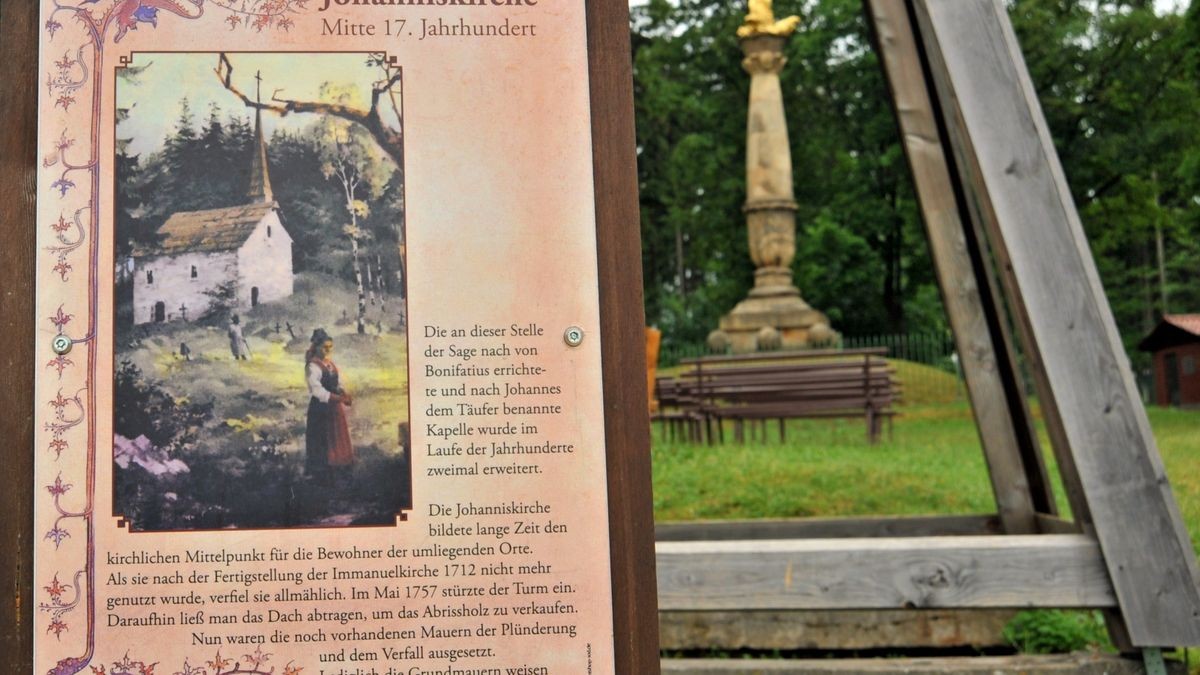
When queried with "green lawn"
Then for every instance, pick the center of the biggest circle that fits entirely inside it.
(932, 465)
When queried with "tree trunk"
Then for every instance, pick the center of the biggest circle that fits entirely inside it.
(893, 283)
(679, 274)
(402, 274)
(370, 284)
(1162, 267)
(358, 281)
(348, 185)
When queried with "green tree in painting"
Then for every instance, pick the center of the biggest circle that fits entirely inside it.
(207, 166)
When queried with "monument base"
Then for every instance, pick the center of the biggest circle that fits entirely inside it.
(773, 316)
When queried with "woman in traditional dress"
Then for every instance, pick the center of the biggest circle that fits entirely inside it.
(327, 434)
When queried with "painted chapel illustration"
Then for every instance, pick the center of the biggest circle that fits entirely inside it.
(199, 252)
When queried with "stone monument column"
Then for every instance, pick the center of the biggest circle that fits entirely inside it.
(773, 315)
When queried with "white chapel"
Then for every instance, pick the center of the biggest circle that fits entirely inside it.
(198, 252)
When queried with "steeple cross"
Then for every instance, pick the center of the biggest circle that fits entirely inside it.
(258, 86)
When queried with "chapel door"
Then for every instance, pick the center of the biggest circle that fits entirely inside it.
(160, 312)
(1171, 366)
(254, 296)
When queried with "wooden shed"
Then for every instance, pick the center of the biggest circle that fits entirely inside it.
(1175, 343)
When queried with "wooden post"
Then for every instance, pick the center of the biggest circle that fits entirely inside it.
(627, 434)
(18, 162)
(1006, 158)
(1018, 473)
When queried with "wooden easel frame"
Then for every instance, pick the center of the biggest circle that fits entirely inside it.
(635, 619)
(18, 167)
(1008, 246)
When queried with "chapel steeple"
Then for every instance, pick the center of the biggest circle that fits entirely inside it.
(260, 180)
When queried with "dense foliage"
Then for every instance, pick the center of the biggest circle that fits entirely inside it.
(1120, 86)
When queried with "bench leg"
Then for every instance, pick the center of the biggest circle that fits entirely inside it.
(875, 426)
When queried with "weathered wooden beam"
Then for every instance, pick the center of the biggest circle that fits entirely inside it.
(889, 573)
(1048, 524)
(1002, 147)
(835, 630)
(829, 528)
(1015, 466)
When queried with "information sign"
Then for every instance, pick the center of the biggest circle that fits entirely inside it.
(334, 371)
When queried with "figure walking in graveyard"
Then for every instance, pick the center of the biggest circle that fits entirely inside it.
(327, 433)
(237, 342)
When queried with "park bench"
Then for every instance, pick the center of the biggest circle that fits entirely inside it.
(678, 409)
(751, 390)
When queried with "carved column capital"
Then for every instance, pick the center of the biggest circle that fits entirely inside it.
(764, 63)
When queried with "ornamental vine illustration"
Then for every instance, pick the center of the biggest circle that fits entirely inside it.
(78, 33)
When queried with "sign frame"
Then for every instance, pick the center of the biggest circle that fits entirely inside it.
(626, 424)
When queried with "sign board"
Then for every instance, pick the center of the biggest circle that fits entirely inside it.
(335, 355)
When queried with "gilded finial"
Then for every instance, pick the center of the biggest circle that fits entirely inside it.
(761, 21)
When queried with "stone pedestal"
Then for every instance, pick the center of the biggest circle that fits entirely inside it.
(773, 315)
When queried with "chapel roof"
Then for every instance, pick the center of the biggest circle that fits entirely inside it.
(210, 230)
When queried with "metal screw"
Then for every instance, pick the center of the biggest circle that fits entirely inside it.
(573, 336)
(61, 344)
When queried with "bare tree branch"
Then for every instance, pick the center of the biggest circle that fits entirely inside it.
(390, 140)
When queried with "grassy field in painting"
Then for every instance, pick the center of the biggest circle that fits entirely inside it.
(236, 457)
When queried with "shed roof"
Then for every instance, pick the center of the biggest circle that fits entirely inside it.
(1188, 322)
(224, 229)
(1173, 330)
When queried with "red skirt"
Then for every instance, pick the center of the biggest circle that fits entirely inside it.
(341, 453)
(326, 437)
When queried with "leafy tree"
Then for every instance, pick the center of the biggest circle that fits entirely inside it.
(851, 181)
(1119, 85)
(149, 410)
(223, 301)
